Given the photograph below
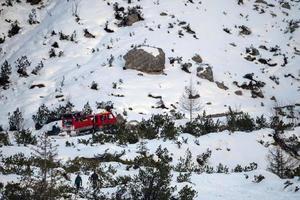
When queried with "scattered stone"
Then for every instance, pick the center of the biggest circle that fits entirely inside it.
(87, 34)
(37, 85)
(155, 96)
(221, 85)
(252, 51)
(55, 45)
(244, 30)
(250, 58)
(131, 19)
(238, 92)
(186, 67)
(261, 1)
(286, 5)
(227, 30)
(257, 93)
(59, 96)
(197, 58)
(33, 2)
(273, 98)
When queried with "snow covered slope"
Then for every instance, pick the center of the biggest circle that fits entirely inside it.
(214, 29)
(86, 60)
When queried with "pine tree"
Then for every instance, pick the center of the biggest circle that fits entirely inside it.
(190, 100)
(69, 107)
(87, 110)
(4, 74)
(153, 183)
(281, 163)
(16, 121)
(41, 117)
(46, 182)
(185, 164)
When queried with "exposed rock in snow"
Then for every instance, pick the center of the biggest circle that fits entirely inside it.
(221, 85)
(145, 59)
(206, 73)
(238, 92)
(197, 58)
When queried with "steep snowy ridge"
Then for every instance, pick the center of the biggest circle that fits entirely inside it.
(181, 28)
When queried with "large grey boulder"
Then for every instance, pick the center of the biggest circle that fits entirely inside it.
(145, 59)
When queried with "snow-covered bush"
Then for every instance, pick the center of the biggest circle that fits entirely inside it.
(187, 193)
(38, 68)
(14, 30)
(222, 169)
(239, 122)
(32, 18)
(16, 164)
(2, 40)
(15, 191)
(52, 53)
(202, 159)
(120, 133)
(87, 110)
(103, 138)
(261, 122)
(184, 177)
(25, 137)
(202, 125)
(4, 139)
(107, 105)
(185, 164)
(22, 64)
(169, 130)
(94, 86)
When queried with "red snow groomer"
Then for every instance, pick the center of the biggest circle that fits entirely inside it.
(78, 122)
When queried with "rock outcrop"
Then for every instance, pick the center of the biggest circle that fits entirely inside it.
(206, 73)
(145, 59)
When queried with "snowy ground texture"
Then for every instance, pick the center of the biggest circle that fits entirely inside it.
(87, 59)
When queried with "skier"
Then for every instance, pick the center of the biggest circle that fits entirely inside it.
(94, 179)
(78, 182)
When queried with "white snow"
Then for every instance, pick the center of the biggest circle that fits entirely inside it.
(152, 50)
(86, 60)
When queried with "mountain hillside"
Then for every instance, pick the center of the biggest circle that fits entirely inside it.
(239, 55)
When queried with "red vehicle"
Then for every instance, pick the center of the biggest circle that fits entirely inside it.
(79, 123)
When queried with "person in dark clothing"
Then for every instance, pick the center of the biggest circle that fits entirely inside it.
(94, 179)
(78, 182)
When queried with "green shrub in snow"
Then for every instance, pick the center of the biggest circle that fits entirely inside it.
(4, 140)
(187, 193)
(25, 137)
